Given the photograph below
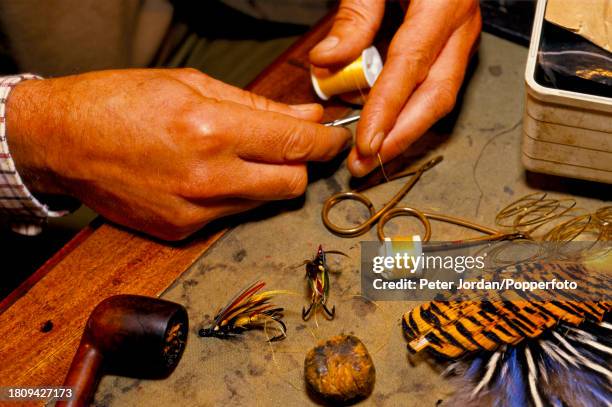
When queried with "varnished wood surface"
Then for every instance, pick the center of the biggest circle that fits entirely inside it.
(106, 260)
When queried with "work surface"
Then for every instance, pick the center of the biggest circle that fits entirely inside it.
(480, 174)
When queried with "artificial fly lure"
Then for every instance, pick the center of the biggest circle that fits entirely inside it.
(248, 309)
(525, 352)
(317, 274)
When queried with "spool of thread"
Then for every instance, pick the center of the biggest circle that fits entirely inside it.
(356, 76)
(402, 245)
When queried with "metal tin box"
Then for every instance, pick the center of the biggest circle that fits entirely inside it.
(564, 133)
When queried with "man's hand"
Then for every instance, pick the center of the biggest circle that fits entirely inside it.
(163, 151)
(423, 72)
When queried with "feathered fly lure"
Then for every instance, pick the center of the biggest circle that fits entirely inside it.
(248, 309)
(317, 274)
(522, 353)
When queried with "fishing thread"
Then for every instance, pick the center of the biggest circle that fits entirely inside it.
(358, 75)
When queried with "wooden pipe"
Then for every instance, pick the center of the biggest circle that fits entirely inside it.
(129, 335)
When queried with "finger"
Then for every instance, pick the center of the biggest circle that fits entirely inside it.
(274, 182)
(431, 101)
(277, 138)
(265, 182)
(354, 28)
(215, 89)
(413, 50)
(223, 207)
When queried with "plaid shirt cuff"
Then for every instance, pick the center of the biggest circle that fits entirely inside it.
(23, 211)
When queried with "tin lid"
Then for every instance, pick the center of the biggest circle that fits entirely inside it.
(551, 95)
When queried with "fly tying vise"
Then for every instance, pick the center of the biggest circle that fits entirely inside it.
(317, 274)
(245, 311)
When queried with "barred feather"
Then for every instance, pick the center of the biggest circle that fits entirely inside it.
(525, 352)
(452, 329)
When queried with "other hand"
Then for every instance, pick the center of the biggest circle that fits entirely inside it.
(422, 75)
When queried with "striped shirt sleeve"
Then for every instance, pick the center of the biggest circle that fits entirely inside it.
(25, 214)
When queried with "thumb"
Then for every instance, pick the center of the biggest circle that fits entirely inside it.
(355, 26)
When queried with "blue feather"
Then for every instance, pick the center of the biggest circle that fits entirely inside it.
(556, 402)
(558, 382)
(473, 370)
(515, 386)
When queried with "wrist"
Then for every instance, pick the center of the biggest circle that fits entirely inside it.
(28, 127)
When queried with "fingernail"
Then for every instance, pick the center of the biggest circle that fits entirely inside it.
(327, 44)
(304, 107)
(376, 142)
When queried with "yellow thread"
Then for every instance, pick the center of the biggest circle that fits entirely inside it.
(347, 79)
(358, 75)
(276, 364)
(382, 167)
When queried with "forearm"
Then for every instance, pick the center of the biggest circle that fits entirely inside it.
(30, 127)
(18, 205)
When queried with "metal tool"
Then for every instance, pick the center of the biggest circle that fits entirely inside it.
(343, 122)
(390, 211)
